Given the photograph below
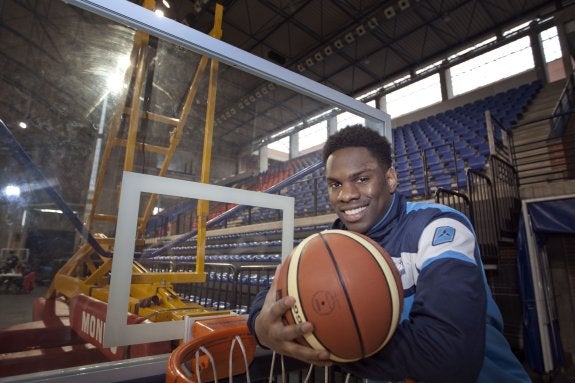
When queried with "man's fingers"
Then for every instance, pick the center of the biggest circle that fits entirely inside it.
(282, 305)
(291, 332)
(307, 354)
(302, 352)
(277, 335)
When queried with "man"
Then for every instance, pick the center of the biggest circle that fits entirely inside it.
(451, 328)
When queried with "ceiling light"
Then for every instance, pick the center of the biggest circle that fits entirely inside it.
(372, 23)
(166, 4)
(123, 63)
(309, 62)
(300, 67)
(159, 13)
(328, 51)
(338, 44)
(12, 191)
(271, 86)
(349, 38)
(360, 30)
(403, 4)
(51, 211)
(389, 12)
(115, 82)
(318, 56)
(22, 124)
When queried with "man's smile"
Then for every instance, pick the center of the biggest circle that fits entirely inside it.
(354, 211)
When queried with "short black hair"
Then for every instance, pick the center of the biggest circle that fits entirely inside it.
(360, 136)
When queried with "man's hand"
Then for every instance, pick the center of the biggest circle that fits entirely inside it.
(274, 334)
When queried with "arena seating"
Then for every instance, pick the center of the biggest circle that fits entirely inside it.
(430, 153)
(445, 144)
(237, 266)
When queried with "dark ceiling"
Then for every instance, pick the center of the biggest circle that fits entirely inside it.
(355, 46)
(55, 59)
(351, 46)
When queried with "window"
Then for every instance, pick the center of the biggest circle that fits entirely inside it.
(500, 63)
(551, 46)
(312, 136)
(415, 96)
(345, 119)
(281, 145)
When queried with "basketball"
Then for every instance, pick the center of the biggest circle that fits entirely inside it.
(348, 287)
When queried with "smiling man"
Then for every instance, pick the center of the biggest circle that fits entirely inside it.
(451, 328)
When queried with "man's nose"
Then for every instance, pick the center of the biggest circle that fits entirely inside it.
(348, 191)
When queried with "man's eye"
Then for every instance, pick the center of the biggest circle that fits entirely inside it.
(362, 179)
(334, 185)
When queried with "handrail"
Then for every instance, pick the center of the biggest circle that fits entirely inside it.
(565, 102)
(506, 194)
(423, 155)
(503, 147)
(484, 212)
(456, 201)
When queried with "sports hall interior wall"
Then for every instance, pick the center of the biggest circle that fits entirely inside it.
(230, 170)
(503, 279)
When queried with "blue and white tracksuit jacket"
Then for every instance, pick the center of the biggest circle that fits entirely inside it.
(451, 329)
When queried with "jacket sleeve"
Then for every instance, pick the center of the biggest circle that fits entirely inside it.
(443, 337)
(255, 308)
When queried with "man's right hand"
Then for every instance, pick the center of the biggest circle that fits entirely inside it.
(273, 333)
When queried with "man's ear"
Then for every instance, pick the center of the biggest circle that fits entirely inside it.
(391, 178)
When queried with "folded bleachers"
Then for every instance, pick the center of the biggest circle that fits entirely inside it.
(439, 148)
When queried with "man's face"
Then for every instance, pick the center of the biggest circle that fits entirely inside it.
(359, 188)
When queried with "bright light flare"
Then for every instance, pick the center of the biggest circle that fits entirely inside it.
(12, 191)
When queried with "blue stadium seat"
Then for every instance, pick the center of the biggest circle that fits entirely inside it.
(483, 149)
(477, 162)
(405, 188)
(444, 181)
(466, 152)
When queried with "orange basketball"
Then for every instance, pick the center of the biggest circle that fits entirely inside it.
(348, 287)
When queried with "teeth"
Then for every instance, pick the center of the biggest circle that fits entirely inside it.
(355, 211)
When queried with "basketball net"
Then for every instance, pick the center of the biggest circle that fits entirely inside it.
(220, 355)
(224, 352)
(217, 355)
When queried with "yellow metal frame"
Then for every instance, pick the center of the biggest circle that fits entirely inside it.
(70, 280)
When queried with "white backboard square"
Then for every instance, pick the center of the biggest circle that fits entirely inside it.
(118, 332)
